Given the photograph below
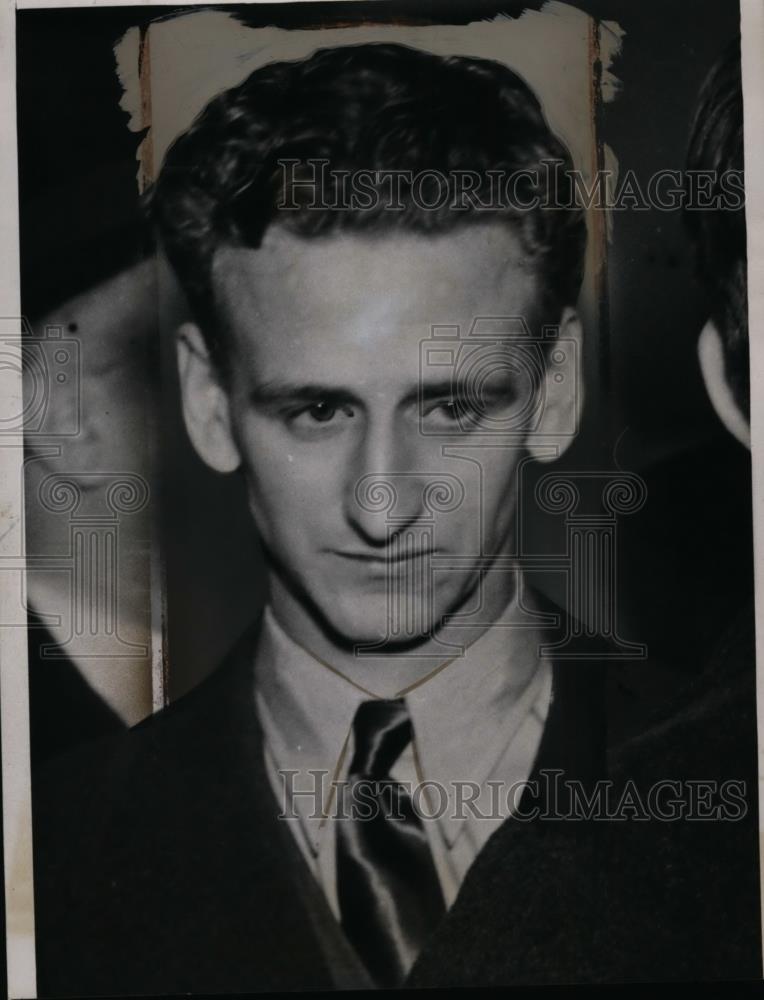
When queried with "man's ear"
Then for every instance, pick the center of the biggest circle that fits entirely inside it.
(711, 357)
(205, 402)
(562, 393)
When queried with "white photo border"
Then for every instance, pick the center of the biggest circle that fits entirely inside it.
(14, 693)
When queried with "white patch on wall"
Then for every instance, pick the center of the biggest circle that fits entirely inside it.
(195, 56)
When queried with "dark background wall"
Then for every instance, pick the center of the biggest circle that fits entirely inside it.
(684, 560)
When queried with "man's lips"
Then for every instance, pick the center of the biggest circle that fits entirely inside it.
(391, 559)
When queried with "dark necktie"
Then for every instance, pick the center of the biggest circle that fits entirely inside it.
(389, 894)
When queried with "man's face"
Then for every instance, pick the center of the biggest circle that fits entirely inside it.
(342, 432)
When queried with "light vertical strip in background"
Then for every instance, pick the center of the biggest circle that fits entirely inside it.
(752, 50)
(146, 176)
(14, 686)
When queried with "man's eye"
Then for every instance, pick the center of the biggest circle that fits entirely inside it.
(323, 412)
(448, 409)
(452, 410)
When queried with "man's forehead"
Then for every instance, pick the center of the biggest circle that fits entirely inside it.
(477, 264)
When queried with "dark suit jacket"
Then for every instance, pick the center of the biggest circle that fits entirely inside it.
(64, 711)
(161, 866)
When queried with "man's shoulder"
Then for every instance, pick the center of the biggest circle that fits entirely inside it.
(162, 848)
(642, 880)
(698, 721)
(692, 769)
(657, 717)
(117, 804)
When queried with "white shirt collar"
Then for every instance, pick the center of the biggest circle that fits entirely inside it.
(463, 717)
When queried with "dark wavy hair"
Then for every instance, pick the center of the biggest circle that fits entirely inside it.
(371, 107)
(719, 234)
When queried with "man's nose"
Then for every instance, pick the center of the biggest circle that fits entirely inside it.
(384, 490)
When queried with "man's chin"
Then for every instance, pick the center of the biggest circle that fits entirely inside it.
(370, 623)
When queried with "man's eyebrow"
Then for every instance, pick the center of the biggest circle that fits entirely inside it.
(275, 391)
(435, 390)
(458, 387)
(278, 391)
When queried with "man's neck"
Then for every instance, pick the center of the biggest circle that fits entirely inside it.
(388, 673)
